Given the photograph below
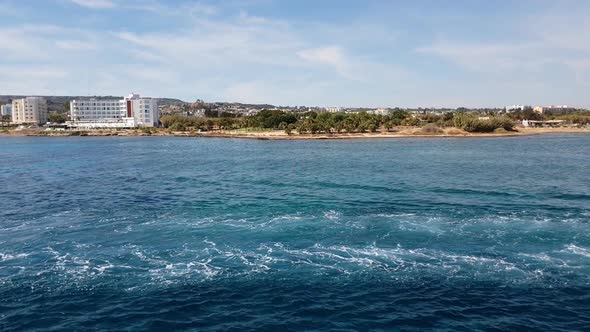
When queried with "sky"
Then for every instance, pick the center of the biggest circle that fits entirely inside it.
(373, 53)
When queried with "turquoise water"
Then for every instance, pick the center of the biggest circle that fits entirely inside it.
(224, 234)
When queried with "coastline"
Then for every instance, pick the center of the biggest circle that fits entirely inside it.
(400, 132)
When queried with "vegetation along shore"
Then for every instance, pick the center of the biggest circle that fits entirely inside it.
(276, 124)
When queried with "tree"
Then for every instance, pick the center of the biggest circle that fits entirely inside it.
(289, 129)
(5, 120)
(226, 123)
(271, 119)
(470, 122)
(57, 117)
(388, 125)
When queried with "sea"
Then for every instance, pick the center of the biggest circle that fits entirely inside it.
(214, 234)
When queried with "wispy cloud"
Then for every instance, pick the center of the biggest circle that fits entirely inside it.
(191, 9)
(218, 42)
(94, 4)
(556, 37)
(75, 45)
(331, 56)
(267, 51)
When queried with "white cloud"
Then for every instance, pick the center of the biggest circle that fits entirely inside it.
(222, 52)
(555, 37)
(293, 91)
(191, 9)
(94, 4)
(75, 45)
(31, 79)
(331, 56)
(42, 42)
(218, 43)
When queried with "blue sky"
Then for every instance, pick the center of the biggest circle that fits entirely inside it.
(301, 52)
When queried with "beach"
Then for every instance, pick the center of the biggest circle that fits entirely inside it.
(399, 132)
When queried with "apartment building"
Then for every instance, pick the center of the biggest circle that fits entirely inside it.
(144, 111)
(29, 110)
(553, 109)
(333, 109)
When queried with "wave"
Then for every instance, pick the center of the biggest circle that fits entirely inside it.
(572, 248)
(332, 215)
(9, 257)
(216, 259)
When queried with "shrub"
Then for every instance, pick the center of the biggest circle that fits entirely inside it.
(455, 132)
(429, 129)
(471, 123)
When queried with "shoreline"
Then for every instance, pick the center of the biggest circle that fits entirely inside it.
(408, 132)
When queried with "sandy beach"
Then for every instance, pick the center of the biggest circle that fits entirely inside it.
(399, 132)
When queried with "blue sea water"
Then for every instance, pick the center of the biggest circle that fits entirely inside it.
(225, 234)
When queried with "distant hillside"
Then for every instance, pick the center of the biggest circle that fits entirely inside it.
(241, 105)
(57, 103)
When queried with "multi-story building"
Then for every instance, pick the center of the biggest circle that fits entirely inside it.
(515, 107)
(29, 110)
(130, 112)
(382, 111)
(6, 109)
(553, 109)
(333, 109)
(144, 110)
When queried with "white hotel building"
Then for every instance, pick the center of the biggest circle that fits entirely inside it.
(131, 112)
(6, 109)
(32, 110)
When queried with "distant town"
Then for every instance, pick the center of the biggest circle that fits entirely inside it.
(53, 114)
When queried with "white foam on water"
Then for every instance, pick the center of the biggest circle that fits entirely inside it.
(332, 215)
(430, 225)
(399, 259)
(540, 256)
(287, 217)
(574, 249)
(9, 257)
(70, 265)
(392, 215)
(498, 263)
(102, 268)
(126, 230)
(211, 243)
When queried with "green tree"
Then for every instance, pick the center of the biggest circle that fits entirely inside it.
(5, 120)
(226, 123)
(388, 125)
(289, 129)
(57, 117)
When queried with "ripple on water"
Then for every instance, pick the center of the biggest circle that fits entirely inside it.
(173, 233)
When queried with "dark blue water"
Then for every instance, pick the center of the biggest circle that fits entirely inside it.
(216, 234)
